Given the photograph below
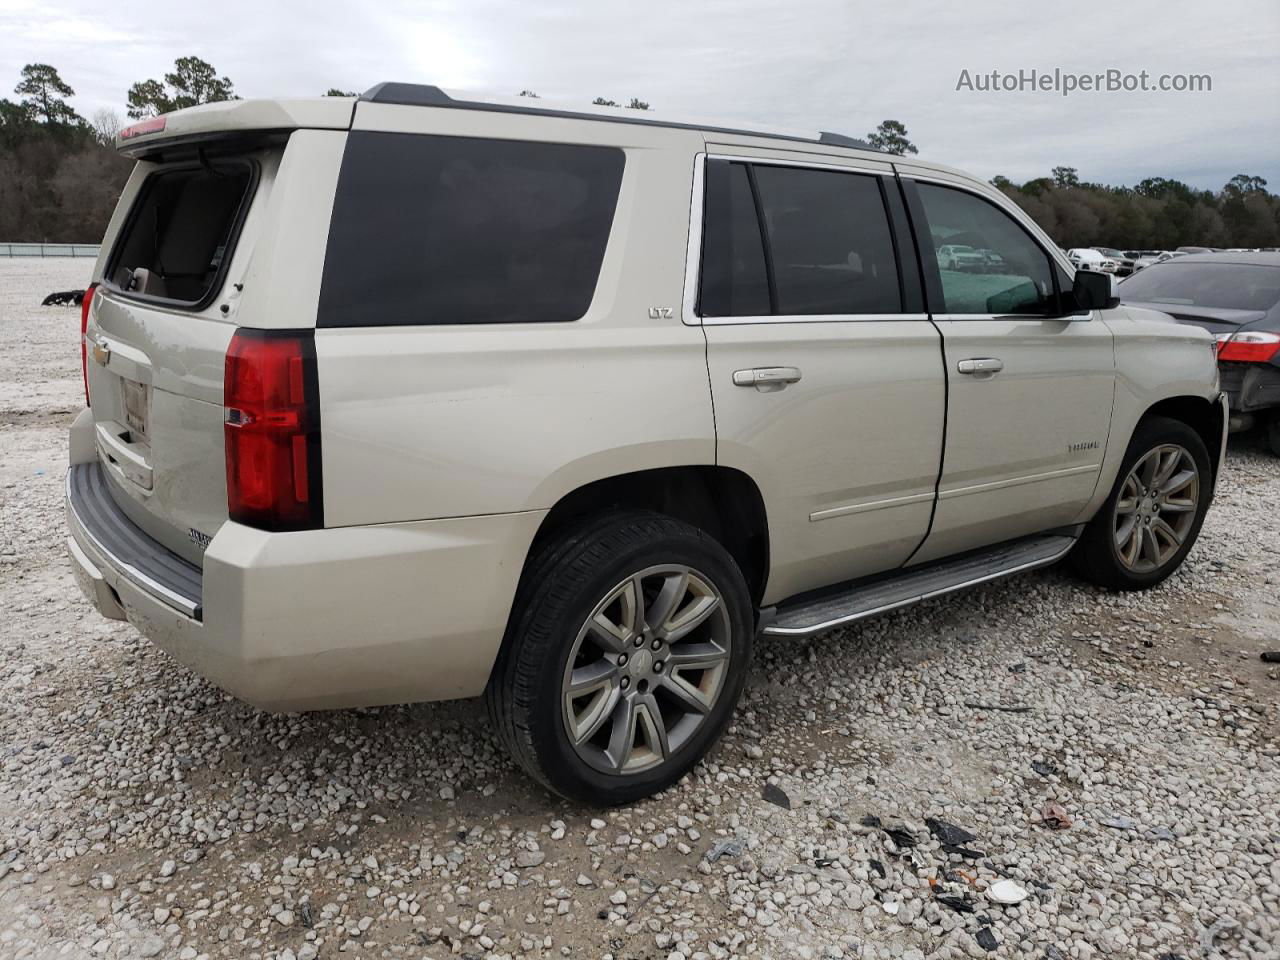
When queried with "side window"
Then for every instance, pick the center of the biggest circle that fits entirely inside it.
(735, 282)
(447, 230)
(988, 263)
(828, 238)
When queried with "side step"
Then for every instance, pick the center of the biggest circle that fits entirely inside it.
(866, 599)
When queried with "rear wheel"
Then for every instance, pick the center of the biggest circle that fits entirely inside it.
(1273, 434)
(1151, 520)
(624, 658)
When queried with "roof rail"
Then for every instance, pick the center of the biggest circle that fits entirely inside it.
(429, 95)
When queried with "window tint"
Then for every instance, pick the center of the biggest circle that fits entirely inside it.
(828, 237)
(734, 280)
(988, 263)
(433, 230)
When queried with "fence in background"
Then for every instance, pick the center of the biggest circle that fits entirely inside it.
(48, 249)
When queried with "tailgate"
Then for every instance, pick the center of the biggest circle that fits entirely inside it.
(157, 336)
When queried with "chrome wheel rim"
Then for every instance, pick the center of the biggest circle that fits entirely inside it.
(646, 669)
(1156, 508)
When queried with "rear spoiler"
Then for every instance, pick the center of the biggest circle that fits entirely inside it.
(231, 124)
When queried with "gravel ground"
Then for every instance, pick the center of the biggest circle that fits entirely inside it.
(876, 785)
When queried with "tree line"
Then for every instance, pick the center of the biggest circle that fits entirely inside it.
(60, 175)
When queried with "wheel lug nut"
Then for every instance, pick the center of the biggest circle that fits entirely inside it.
(657, 644)
(639, 641)
(622, 660)
(626, 682)
(657, 667)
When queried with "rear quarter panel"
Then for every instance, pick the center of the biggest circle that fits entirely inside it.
(432, 421)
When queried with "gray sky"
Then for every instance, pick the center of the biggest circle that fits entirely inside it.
(841, 65)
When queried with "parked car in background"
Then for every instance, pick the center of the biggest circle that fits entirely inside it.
(1145, 258)
(992, 262)
(418, 396)
(958, 256)
(1087, 258)
(1236, 297)
(1124, 263)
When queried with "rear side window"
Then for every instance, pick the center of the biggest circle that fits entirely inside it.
(825, 248)
(179, 234)
(451, 230)
(828, 234)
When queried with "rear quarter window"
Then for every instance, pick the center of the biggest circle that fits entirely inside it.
(452, 230)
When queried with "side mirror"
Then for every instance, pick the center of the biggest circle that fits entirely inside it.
(1093, 290)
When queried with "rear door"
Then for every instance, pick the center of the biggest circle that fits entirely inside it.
(1030, 383)
(159, 326)
(825, 372)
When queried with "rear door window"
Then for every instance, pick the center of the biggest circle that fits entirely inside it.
(452, 230)
(828, 237)
(180, 232)
(794, 241)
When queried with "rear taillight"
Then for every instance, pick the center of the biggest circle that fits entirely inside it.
(85, 305)
(271, 414)
(1248, 346)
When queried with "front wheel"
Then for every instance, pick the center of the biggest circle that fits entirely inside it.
(1147, 526)
(625, 656)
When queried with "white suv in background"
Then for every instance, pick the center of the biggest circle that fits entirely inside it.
(411, 396)
(1086, 258)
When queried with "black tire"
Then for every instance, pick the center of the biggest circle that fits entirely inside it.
(1273, 434)
(1096, 557)
(565, 580)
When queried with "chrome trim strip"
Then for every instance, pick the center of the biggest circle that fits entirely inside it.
(908, 601)
(132, 573)
(693, 254)
(857, 165)
(816, 318)
(869, 506)
(1018, 481)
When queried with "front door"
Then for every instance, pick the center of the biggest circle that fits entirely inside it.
(825, 372)
(1030, 386)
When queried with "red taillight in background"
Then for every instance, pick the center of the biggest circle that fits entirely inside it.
(85, 306)
(1249, 346)
(271, 413)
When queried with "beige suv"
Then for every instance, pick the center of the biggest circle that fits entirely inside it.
(410, 397)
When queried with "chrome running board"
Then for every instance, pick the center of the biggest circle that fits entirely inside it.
(815, 614)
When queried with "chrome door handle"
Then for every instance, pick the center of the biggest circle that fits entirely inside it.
(981, 365)
(767, 378)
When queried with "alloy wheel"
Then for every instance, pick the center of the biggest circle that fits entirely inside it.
(646, 669)
(1156, 509)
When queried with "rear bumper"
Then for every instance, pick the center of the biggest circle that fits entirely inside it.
(344, 617)
(1250, 386)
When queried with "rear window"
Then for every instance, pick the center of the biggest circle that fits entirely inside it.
(180, 232)
(1229, 286)
(449, 230)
